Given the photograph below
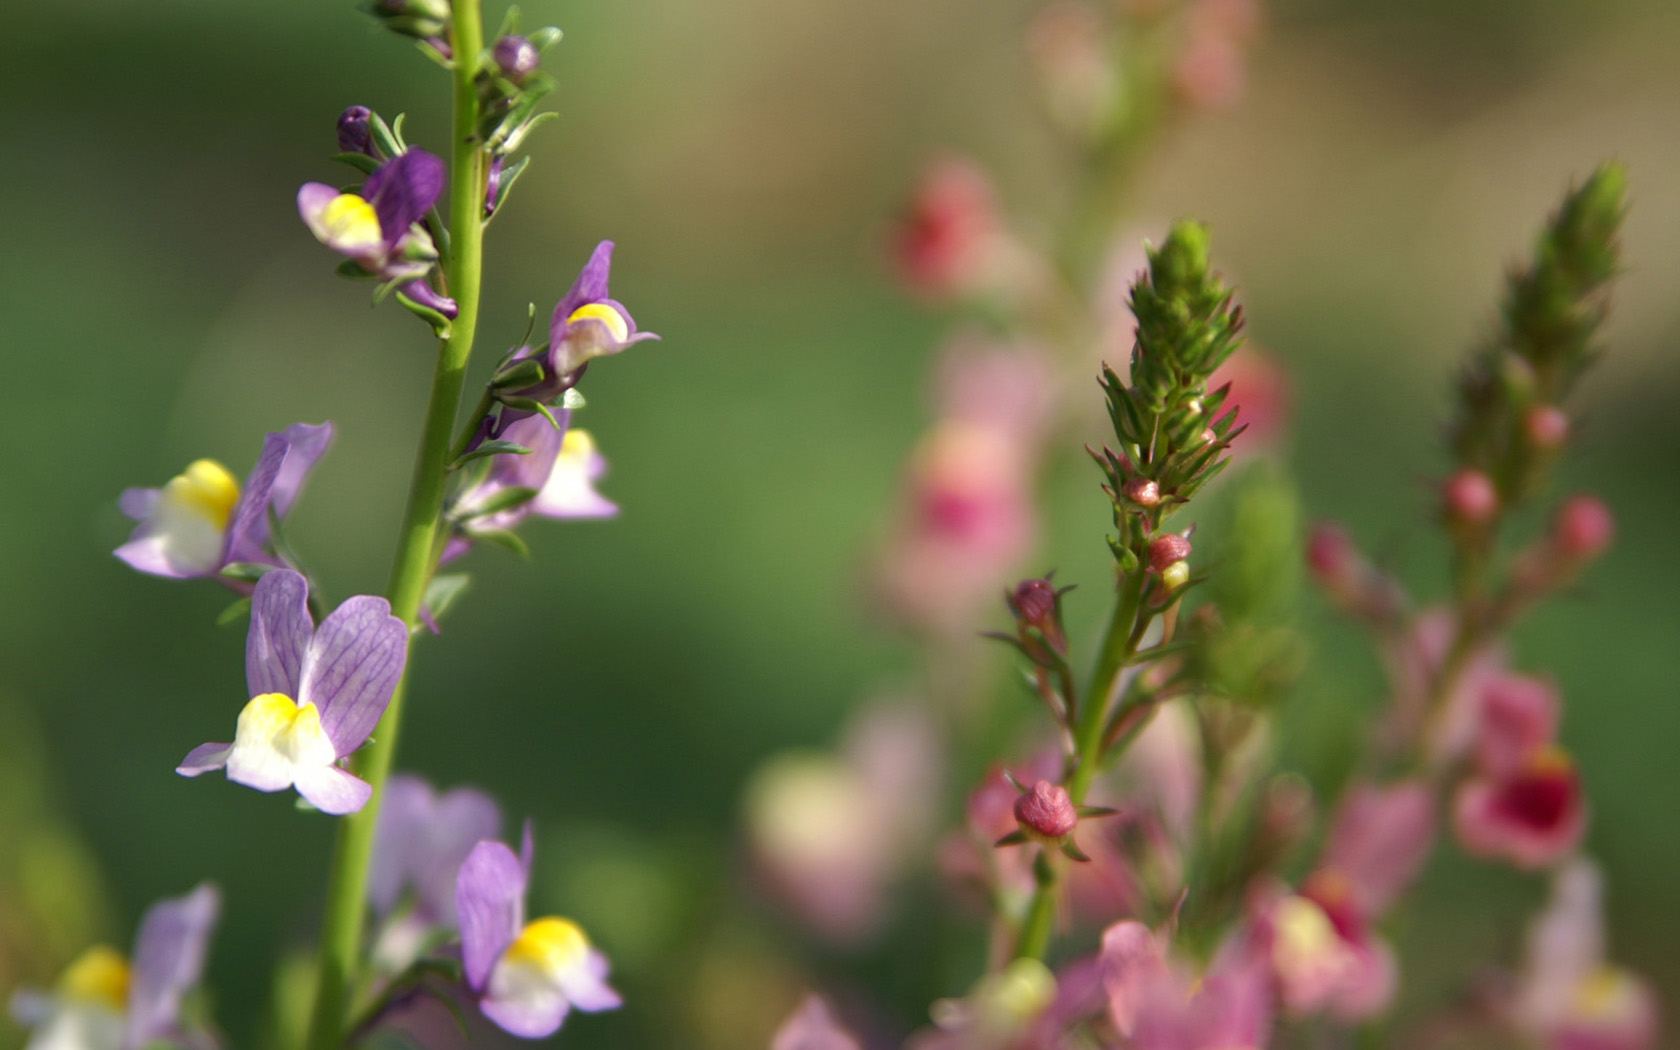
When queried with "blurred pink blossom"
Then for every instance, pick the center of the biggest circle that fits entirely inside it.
(812, 1027)
(1531, 815)
(1568, 996)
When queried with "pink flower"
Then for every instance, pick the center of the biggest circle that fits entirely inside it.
(1380, 839)
(950, 234)
(1519, 714)
(1260, 390)
(812, 1027)
(1531, 815)
(1568, 996)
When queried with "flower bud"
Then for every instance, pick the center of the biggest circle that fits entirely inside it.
(1470, 497)
(1046, 810)
(1332, 556)
(355, 131)
(1546, 426)
(1176, 575)
(1035, 602)
(516, 57)
(1583, 528)
(1143, 491)
(1166, 550)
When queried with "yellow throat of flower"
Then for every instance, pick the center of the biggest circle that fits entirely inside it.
(615, 322)
(577, 446)
(351, 224)
(278, 722)
(551, 945)
(207, 488)
(99, 975)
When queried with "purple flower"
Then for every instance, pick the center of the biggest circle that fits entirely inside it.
(587, 324)
(316, 694)
(562, 467)
(202, 520)
(102, 1003)
(377, 228)
(420, 842)
(526, 975)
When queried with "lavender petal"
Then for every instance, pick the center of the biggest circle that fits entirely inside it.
(527, 1018)
(332, 790)
(279, 636)
(403, 815)
(540, 436)
(590, 286)
(352, 667)
(490, 904)
(305, 444)
(169, 957)
(204, 758)
(138, 503)
(247, 530)
(464, 817)
(149, 554)
(403, 190)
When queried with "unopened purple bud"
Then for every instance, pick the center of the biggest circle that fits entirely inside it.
(493, 186)
(1470, 497)
(516, 57)
(1035, 601)
(1046, 810)
(1166, 550)
(355, 132)
(1143, 491)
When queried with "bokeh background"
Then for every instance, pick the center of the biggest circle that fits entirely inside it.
(160, 301)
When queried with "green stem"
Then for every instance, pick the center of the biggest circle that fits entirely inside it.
(1125, 630)
(341, 935)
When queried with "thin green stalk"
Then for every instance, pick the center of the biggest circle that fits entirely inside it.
(341, 934)
(1119, 647)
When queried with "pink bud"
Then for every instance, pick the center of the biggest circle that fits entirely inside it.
(1331, 554)
(1046, 810)
(1470, 497)
(1167, 548)
(1547, 426)
(1034, 602)
(1142, 491)
(1583, 528)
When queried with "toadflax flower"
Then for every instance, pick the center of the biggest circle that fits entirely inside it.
(316, 694)
(418, 845)
(587, 324)
(104, 1003)
(379, 228)
(527, 976)
(561, 468)
(203, 520)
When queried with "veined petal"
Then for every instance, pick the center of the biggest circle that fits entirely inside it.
(332, 790)
(306, 443)
(276, 739)
(204, 758)
(403, 190)
(169, 953)
(490, 905)
(279, 634)
(352, 667)
(590, 286)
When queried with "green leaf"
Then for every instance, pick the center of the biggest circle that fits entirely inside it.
(443, 592)
(503, 538)
(507, 499)
(245, 571)
(384, 138)
(510, 22)
(526, 373)
(360, 161)
(435, 55)
(352, 269)
(238, 610)
(525, 404)
(545, 38)
(490, 448)
(440, 324)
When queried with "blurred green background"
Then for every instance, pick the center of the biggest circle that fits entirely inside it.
(161, 301)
